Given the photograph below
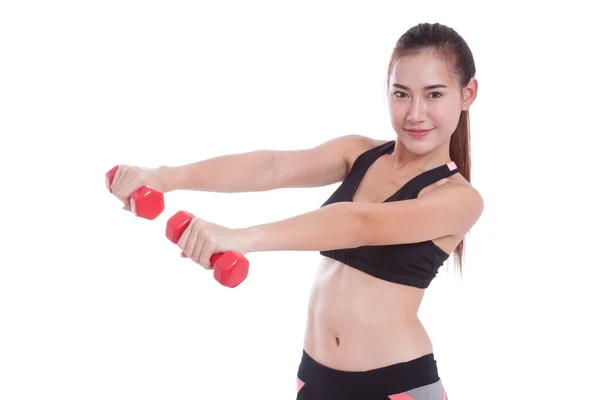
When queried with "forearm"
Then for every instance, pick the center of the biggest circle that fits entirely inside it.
(244, 172)
(334, 226)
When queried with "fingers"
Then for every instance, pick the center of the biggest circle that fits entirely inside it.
(191, 243)
(197, 250)
(183, 240)
(116, 183)
(130, 182)
(196, 244)
(205, 253)
(127, 179)
(203, 244)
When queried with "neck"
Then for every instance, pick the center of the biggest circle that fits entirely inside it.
(402, 158)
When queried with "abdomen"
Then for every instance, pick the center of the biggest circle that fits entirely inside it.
(358, 322)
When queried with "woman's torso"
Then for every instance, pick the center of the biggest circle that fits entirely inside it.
(358, 322)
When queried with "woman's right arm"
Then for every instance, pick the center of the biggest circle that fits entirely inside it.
(264, 170)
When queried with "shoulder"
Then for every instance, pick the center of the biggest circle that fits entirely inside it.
(354, 145)
(459, 197)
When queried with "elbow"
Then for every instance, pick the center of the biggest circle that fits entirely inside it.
(372, 227)
(362, 232)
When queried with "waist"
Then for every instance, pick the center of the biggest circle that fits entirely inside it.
(358, 322)
(356, 349)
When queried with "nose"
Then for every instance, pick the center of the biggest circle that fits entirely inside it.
(417, 110)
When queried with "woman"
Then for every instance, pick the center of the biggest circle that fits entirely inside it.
(403, 206)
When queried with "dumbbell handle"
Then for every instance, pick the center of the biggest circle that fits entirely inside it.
(235, 268)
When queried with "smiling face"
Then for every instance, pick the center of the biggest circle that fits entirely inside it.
(425, 101)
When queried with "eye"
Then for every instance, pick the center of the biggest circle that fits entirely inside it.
(436, 94)
(402, 93)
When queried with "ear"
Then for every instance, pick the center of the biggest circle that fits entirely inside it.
(469, 94)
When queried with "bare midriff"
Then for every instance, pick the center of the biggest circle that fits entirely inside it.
(357, 322)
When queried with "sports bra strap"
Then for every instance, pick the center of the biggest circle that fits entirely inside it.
(413, 187)
(365, 159)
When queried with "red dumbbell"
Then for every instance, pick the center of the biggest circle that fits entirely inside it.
(230, 268)
(146, 202)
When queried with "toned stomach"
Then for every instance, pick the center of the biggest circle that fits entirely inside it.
(357, 322)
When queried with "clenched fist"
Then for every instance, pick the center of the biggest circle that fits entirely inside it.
(128, 178)
(202, 239)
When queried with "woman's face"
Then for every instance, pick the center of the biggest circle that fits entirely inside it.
(425, 101)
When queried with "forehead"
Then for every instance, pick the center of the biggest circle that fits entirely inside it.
(419, 70)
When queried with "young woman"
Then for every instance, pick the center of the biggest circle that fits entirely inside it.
(403, 206)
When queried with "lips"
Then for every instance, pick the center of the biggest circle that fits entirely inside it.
(418, 132)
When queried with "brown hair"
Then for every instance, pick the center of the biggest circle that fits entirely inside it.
(452, 48)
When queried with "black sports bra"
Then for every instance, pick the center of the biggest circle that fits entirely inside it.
(412, 264)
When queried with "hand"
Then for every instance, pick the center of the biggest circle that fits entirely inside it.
(202, 239)
(128, 178)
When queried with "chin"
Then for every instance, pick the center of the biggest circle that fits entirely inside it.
(418, 148)
(421, 147)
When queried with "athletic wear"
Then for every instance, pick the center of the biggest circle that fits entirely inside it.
(412, 264)
(412, 380)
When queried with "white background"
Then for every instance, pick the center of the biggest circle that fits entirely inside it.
(96, 304)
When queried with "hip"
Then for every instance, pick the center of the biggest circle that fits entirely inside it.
(416, 379)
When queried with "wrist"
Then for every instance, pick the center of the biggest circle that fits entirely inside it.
(252, 237)
(166, 178)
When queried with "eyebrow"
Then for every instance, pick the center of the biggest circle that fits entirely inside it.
(438, 86)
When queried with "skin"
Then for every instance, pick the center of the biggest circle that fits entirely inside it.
(357, 322)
